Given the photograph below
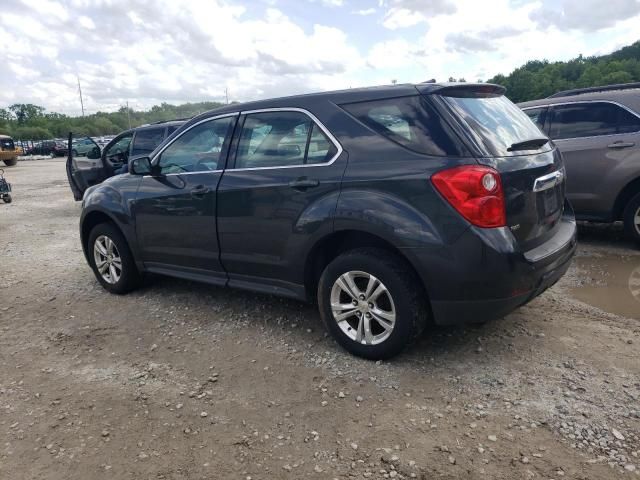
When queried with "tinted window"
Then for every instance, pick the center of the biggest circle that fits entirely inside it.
(591, 119)
(118, 152)
(147, 140)
(409, 121)
(282, 139)
(171, 129)
(537, 116)
(496, 122)
(199, 149)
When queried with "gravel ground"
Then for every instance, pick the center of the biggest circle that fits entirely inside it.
(185, 381)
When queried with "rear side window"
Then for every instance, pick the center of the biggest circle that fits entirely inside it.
(282, 139)
(147, 140)
(590, 120)
(408, 121)
(496, 122)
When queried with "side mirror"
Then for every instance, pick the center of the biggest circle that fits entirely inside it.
(140, 166)
(94, 153)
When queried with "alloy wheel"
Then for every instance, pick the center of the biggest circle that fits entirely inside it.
(363, 307)
(107, 259)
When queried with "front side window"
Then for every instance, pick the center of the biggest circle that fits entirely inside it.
(590, 120)
(282, 139)
(199, 149)
(537, 116)
(118, 152)
(409, 121)
(147, 140)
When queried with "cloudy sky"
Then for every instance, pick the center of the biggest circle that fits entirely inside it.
(149, 51)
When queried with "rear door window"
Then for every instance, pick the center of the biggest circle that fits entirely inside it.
(409, 121)
(591, 119)
(282, 139)
(496, 122)
(147, 140)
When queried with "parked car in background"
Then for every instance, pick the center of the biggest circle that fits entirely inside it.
(82, 146)
(53, 148)
(598, 132)
(390, 206)
(93, 167)
(8, 151)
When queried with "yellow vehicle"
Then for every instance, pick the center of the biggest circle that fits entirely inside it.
(8, 151)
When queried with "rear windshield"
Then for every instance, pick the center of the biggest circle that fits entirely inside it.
(410, 122)
(496, 122)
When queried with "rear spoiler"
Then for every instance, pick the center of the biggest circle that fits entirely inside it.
(462, 89)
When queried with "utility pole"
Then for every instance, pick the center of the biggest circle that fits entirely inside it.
(128, 116)
(226, 94)
(80, 93)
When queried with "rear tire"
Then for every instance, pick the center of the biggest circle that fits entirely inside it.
(111, 259)
(632, 218)
(393, 305)
(11, 162)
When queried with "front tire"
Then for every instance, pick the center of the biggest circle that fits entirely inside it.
(111, 259)
(10, 162)
(632, 218)
(7, 198)
(372, 303)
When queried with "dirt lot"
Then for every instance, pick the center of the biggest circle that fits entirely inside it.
(185, 381)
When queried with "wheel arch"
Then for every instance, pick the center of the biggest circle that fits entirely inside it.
(89, 221)
(330, 246)
(623, 198)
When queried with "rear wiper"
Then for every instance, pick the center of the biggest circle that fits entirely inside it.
(531, 144)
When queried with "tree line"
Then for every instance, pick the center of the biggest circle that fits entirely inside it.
(535, 79)
(28, 121)
(541, 78)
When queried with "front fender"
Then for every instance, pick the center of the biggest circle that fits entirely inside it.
(112, 200)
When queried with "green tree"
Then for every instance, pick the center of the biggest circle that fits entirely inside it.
(541, 78)
(26, 112)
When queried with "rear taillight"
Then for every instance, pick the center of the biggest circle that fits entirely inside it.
(475, 192)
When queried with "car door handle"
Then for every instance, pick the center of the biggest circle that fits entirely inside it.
(303, 183)
(200, 191)
(621, 145)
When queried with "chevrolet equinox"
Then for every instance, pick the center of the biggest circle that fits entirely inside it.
(391, 206)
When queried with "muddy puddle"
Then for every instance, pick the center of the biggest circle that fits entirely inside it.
(610, 283)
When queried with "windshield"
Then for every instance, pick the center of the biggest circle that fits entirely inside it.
(497, 123)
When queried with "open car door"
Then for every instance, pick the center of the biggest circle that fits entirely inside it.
(84, 165)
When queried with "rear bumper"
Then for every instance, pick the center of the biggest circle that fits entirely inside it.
(479, 311)
(488, 277)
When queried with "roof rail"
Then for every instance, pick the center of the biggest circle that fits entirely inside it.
(167, 121)
(603, 88)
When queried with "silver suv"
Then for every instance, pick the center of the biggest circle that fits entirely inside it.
(598, 132)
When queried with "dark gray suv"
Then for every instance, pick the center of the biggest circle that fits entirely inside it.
(390, 206)
(598, 132)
